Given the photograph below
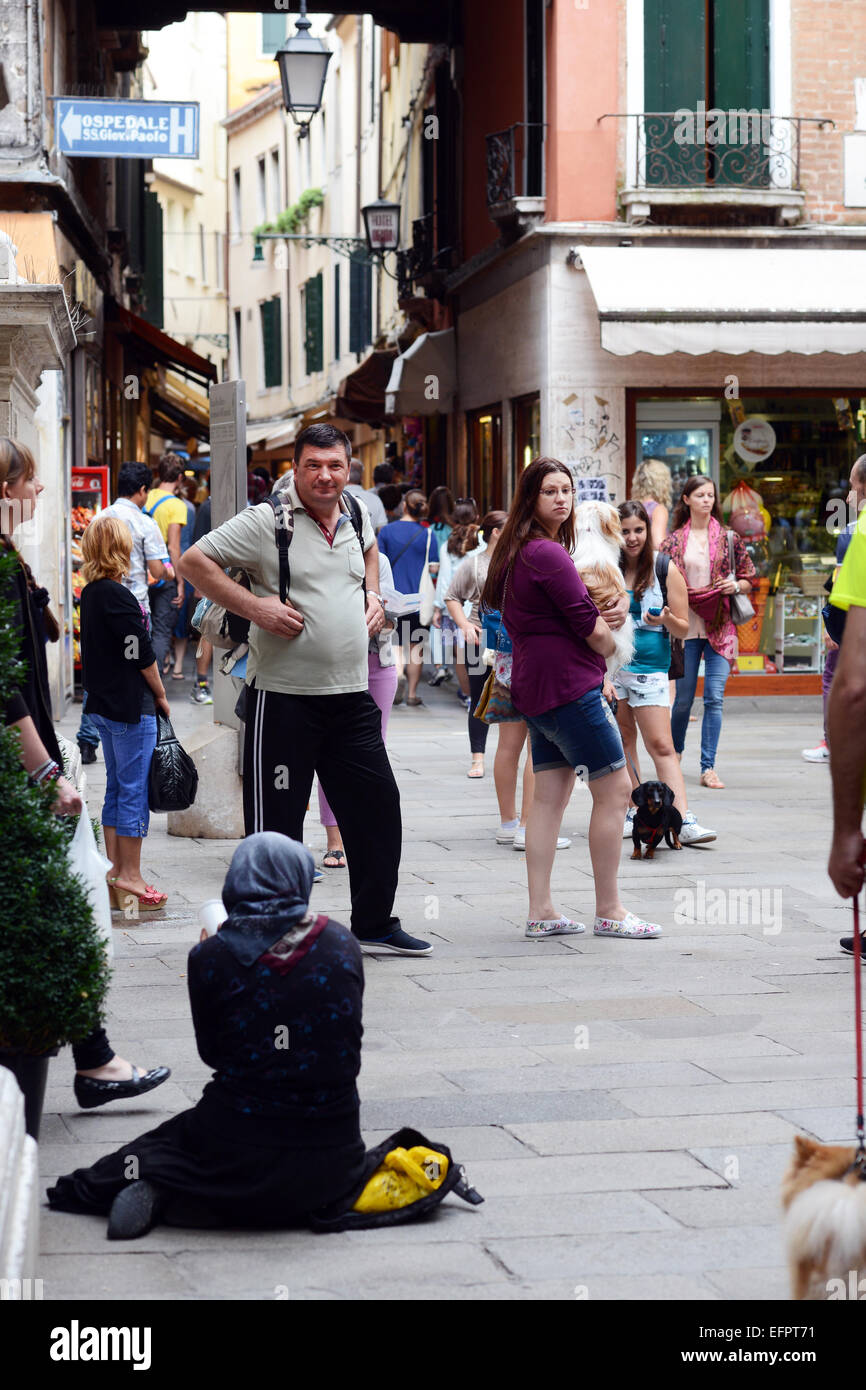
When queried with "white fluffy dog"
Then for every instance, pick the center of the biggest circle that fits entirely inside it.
(599, 541)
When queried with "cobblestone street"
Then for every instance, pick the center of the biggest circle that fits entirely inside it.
(625, 1107)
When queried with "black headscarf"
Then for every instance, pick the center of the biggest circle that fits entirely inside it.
(266, 892)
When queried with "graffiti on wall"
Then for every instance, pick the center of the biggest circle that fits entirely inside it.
(589, 443)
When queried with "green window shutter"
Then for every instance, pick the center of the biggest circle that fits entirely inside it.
(674, 78)
(272, 346)
(741, 82)
(360, 302)
(313, 344)
(273, 32)
(337, 312)
(152, 273)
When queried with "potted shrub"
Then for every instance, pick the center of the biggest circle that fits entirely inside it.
(53, 967)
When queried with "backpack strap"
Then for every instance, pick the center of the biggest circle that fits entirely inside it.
(166, 497)
(358, 523)
(663, 561)
(284, 529)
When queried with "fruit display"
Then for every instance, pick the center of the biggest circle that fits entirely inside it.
(81, 518)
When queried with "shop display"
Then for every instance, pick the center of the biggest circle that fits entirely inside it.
(799, 632)
(89, 488)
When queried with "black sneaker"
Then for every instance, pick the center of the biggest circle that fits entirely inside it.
(847, 944)
(439, 676)
(88, 752)
(399, 943)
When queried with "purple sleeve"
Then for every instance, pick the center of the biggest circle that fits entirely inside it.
(552, 568)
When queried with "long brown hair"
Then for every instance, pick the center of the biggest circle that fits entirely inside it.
(645, 561)
(440, 508)
(464, 536)
(522, 526)
(16, 461)
(681, 511)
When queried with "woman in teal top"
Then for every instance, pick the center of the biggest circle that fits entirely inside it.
(659, 606)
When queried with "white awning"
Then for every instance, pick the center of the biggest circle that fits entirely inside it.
(424, 377)
(720, 299)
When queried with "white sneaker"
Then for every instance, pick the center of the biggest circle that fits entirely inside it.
(694, 834)
(821, 754)
(629, 822)
(506, 833)
(559, 926)
(519, 841)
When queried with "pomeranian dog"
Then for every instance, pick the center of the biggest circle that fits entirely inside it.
(598, 544)
(824, 1201)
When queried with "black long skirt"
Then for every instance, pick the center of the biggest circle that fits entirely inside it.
(211, 1180)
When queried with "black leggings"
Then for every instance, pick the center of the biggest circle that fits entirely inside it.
(93, 1051)
(478, 674)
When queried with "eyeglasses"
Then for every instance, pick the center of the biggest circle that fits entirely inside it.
(557, 491)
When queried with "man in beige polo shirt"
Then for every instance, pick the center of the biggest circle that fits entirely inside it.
(308, 707)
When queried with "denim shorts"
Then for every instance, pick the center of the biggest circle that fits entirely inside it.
(642, 689)
(582, 734)
(127, 749)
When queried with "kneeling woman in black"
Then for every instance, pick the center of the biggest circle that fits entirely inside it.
(276, 1005)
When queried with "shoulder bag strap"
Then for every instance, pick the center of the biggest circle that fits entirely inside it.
(663, 561)
(166, 497)
(284, 529)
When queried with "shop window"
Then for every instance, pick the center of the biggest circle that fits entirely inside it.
(484, 432)
(526, 433)
(272, 344)
(313, 325)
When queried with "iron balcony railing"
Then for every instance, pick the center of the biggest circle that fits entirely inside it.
(737, 149)
(515, 163)
(418, 259)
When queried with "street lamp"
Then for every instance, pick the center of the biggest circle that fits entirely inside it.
(303, 62)
(382, 226)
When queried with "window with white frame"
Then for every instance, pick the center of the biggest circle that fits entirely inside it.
(261, 191)
(236, 204)
(275, 189)
(202, 242)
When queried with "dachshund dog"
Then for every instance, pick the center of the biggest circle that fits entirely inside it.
(598, 544)
(656, 818)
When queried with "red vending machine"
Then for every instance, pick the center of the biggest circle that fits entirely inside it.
(89, 489)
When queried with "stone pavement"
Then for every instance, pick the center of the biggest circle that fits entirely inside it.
(626, 1107)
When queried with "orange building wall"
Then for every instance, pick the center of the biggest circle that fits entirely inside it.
(585, 51)
(829, 51)
(493, 99)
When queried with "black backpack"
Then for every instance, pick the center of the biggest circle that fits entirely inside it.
(284, 528)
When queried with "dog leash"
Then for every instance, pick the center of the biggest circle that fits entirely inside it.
(860, 1159)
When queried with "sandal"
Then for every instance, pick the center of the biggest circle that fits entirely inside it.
(151, 900)
(711, 778)
(476, 771)
(414, 700)
(178, 676)
(337, 854)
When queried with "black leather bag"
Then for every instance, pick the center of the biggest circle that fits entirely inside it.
(340, 1215)
(173, 780)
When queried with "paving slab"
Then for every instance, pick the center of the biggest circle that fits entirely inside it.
(627, 1109)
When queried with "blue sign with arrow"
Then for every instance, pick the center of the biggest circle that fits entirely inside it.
(100, 129)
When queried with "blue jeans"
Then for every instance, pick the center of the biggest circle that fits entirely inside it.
(716, 672)
(127, 749)
(582, 734)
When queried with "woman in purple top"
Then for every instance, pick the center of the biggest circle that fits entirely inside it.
(560, 643)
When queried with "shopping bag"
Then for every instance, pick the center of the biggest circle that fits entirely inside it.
(494, 706)
(91, 867)
(426, 588)
(173, 778)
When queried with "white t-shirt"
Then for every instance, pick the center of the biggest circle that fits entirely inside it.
(329, 657)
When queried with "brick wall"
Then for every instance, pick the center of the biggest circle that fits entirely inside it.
(829, 51)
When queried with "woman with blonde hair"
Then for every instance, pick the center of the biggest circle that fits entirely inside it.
(652, 486)
(124, 688)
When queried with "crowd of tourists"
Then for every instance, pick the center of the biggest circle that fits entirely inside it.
(383, 580)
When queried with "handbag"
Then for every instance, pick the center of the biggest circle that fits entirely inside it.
(172, 782)
(426, 588)
(382, 1198)
(741, 607)
(495, 705)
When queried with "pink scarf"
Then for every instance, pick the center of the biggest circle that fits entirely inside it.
(709, 603)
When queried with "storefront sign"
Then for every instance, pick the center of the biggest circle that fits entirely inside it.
(97, 129)
(754, 440)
